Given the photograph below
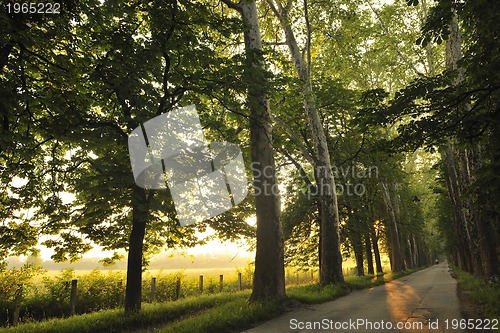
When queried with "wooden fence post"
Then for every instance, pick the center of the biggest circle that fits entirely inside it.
(72, 297)
(240, 285)
(221, 282)
(201, 283)
(152, 297)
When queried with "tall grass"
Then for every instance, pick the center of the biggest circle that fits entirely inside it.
(221, 312)
(228, 317)
(116, 320)
(482, 291)
(48, 295)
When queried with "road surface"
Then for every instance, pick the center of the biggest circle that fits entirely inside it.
(425, 301)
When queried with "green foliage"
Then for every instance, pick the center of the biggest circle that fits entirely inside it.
(15, 283)
(165, 287)
(47, 297)
(74, 87)
(225, 312)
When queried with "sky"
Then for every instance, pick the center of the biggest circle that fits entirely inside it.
(214, 247)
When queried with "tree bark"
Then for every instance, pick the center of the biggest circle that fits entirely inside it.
(415, 248)
(409, 258)
(358, 253)
(458, 168)
(369, 255)
(460, 225)
(396, 253)
(140, 213)
(376, 253)
(269, 275)
(330, 266)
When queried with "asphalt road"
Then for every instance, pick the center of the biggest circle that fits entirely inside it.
(425, 301)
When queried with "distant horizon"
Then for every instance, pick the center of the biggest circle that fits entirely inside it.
(214, 254)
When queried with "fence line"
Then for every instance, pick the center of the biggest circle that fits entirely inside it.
(72, 289)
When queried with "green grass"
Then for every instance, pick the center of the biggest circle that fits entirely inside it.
(315, 293)
(229, 317)
(223, 312)
(239, 315)
(115, 320)
(483, 292)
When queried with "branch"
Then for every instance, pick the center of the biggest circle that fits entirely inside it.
(309, 33)
(232, 5)
(24, 48)
(5, 52)
(166, 70)
(274, 9)
(303, 174)
(227, 107)
(295, 139)
(356, 153)
(108, 124)
(386, 31)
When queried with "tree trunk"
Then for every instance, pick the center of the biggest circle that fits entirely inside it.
(330, 265)
(396, 253)
(134, 263)
(369, 256)
(358, 253)
(460, 225)
(376, 253)
(477, 230)
(409, 255)
(482, 232)
(416, 257)
(269, 275)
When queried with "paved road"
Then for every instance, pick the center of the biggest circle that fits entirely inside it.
(421, 302)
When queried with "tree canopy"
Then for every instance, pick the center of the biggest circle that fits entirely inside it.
(378, 122)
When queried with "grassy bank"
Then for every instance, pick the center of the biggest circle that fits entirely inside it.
(223, 312)
(482, 291)
(115, 320)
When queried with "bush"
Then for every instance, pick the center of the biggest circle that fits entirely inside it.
(50, 296)
(14, 285)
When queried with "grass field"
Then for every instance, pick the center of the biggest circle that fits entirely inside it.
(483, 292)
(218, 312)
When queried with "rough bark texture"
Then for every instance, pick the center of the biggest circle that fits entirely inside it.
(269, 275)
(134, 263)
(376, 253)
(415, 249)
(475, 233)
(409, 255)
(396, 253)
(330, 266)
(369, 255)
(464, 257)
(358, 253)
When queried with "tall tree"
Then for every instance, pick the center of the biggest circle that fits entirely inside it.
(269, 276)
(455, 110)
(94, 75)
(329, 247)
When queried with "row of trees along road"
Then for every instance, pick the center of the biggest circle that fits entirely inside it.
(382, 144)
